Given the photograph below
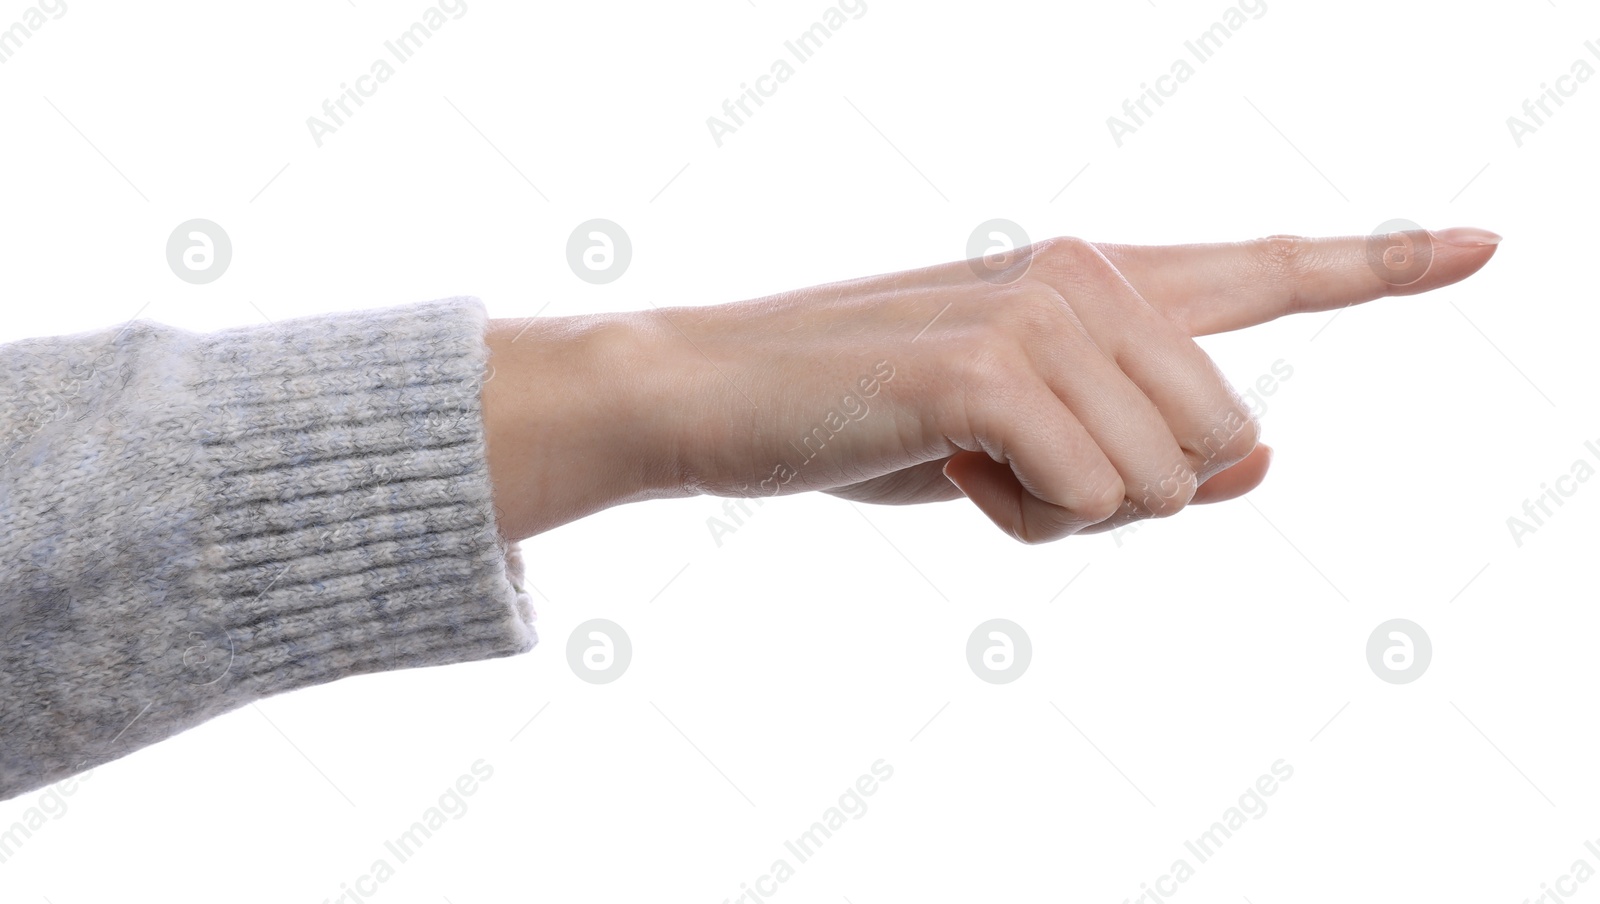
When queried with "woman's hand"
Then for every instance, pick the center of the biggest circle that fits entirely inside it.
(1059, 387)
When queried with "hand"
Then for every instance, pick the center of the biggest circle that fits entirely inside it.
(1060, 390)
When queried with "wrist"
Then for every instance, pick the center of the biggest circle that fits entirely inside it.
(577, 418)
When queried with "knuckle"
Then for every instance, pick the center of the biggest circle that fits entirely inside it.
(1065, 254)
(1282, 249)
(1030, 534)
(1283, 258)
(1010, 322)
(1027, 312)
(985, 366)
(1231, 438)
(1075, 267)
(1169, 494)
(1244, 435)
(1103, 500)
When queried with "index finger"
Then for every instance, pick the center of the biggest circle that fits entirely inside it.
(1213, 288)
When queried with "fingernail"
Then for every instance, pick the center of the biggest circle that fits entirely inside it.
(1467, 236)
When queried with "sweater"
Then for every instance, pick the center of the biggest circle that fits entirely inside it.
(192, 522)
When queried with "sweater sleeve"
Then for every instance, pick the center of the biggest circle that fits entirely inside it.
(191, 522)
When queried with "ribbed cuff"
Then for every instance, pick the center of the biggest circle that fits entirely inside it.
(353, 527)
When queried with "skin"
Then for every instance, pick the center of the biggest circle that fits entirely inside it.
(1062, 392)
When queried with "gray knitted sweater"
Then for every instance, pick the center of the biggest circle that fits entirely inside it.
(192, 522)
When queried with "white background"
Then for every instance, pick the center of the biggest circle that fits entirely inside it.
(770, 672)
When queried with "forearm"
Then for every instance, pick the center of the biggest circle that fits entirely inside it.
(581, 414)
